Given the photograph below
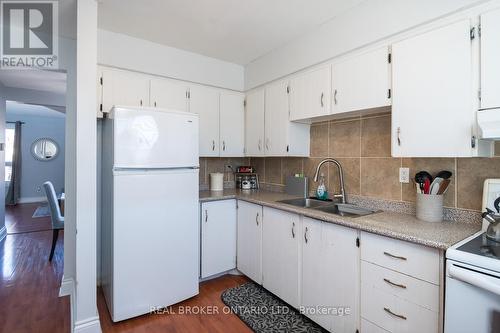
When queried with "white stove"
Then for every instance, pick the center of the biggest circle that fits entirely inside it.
(472, 302)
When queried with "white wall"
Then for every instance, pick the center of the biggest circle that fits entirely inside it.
(86, 318)
(34, 172)
(127, 52)
(3, 231)
(367, 23)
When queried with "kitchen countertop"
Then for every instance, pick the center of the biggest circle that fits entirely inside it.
(396, 225)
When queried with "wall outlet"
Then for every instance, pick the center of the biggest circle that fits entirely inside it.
(404, 175)
(38, 189)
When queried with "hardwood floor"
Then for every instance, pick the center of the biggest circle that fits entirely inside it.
(208, 299)
(29, 285)
(18, 219)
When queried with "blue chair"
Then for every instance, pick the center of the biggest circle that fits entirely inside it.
(55, 214)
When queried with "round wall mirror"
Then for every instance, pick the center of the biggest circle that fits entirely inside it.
(44, 149)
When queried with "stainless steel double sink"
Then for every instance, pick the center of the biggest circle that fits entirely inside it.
(341, 209)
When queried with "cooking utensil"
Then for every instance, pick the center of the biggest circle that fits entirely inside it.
(420, 178)
(445, 174)
(443, 186)
(427, 186)
(435, 185)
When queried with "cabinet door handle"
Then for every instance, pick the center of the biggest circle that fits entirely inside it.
(267, 144)
(213, 145)
(155, 104)
(224, 145)
(322, 95)
(305, 235)
(206, 215)
(394, 256)
(260, 145)
(257, 219)
(399, 136)
(402, 286)
(335, 96)
(293, 230)
(394, 314)
(140, 102)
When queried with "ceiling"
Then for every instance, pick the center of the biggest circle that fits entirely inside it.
(237, 31)
(34, 79)
(21, 109)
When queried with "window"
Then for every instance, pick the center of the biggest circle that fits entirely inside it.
(9, 152)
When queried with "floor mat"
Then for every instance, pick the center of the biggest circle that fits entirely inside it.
(263, 312)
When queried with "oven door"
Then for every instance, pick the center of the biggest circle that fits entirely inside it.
(472, 301)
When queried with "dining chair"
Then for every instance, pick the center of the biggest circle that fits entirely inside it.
(55, 215)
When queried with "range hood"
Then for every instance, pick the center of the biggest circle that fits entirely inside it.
(489, 123)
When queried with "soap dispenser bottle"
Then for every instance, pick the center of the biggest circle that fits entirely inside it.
(321, 192)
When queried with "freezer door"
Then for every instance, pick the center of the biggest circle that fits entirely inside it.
(154, 138)
(155, 240)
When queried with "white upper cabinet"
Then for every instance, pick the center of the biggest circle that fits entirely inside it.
(124, 88)
(310, 94)
(361, 82)
(283, 137)
(169, 94)
(276, 119)
(254, 123)
(432, 107)
(490, 59)
(205, 102)
(232, 124)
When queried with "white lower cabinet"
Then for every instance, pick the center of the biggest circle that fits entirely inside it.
(400, 285)
(218, 237)
(249, 241)
(280, 254)
(330, 275)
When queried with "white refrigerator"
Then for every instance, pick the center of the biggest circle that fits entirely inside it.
(149, 228)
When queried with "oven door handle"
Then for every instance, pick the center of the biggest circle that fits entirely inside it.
(483, 281)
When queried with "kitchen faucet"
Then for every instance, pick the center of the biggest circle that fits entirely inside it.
(341, 176)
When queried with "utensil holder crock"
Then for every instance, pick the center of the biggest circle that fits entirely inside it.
(429, 207)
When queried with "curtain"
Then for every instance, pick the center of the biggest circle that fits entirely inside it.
(14, 191)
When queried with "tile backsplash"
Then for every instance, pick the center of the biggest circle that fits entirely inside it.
(363, 146)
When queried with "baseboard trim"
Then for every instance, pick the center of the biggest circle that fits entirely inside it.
(89, 325)
(32, 199)
(3, 233)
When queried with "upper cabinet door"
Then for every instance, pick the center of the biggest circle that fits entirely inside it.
(361, 82)
(310, 94)
(205, 102)
(432, 110)
(124, 88)
(232, 124)
(276, 119)
(169, 94)
(254, 123)
(490, 59)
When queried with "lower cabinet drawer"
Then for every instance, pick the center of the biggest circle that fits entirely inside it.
(368, 327)
(396, 314)
(415, 260)
(400, 285)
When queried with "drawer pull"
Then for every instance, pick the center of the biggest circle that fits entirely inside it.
(394, 314)
(394, 256)
(293, 230)
(395, 284)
